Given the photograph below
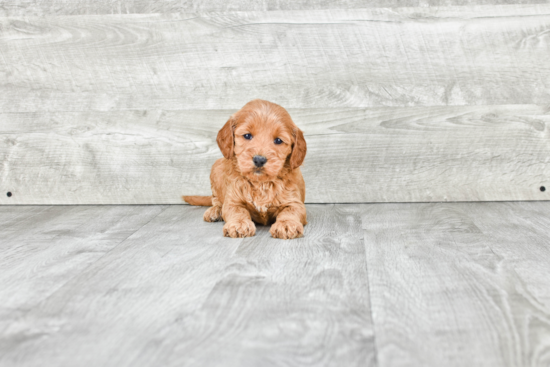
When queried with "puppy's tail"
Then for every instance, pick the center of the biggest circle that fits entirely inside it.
(198, 200)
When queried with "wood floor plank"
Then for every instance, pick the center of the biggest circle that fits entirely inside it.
(420, 56)
(89, 7)
(178, 293)
(454, 284)
(303, 302)
(10, 215)
(32, 220)
(446, 292)
(410, 154)
(39, 255)
(520, 235)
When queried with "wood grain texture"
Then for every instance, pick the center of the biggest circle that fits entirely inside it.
(519, 235)
(451, 285)
(45, 247)
(178, 293)
(460, 153)
(90, 7)
(420, 56)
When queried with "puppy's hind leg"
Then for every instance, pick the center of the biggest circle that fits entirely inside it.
(214, 214)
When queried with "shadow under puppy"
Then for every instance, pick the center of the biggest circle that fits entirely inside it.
(259, 178)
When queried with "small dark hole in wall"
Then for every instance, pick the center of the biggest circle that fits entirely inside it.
(9, 194)
(542, 188)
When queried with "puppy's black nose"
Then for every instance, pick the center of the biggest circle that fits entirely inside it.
(259, 160)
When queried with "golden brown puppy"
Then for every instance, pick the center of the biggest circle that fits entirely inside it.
(259, 178)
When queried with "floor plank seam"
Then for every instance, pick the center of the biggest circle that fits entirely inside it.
(369, 296)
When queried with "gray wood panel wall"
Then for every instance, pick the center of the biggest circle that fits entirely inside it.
(81, 7)
(120, 102)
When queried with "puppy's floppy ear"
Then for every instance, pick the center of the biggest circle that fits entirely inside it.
(298, 150)
(226, 139)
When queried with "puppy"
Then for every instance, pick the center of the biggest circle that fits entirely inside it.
(259, 178)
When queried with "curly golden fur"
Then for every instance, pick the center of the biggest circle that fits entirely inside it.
(259, 178)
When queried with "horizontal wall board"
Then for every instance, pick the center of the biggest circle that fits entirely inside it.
(90, 7)
(411, 154)
(472, 55)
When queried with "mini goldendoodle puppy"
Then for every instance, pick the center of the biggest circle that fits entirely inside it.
(259, 178)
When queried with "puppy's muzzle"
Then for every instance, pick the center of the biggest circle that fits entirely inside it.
(259, 160)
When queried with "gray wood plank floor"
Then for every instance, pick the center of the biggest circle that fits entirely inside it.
(450, 286)
(439, 284)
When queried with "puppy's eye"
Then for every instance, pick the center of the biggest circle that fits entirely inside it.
(278, 141)
(247, 136)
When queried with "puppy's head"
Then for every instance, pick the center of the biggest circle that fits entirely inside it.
(263, 139)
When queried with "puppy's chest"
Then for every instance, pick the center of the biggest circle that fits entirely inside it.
(263, 202)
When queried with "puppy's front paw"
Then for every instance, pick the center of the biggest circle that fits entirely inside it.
(287, 229)
(244, 228)
(213, 214)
